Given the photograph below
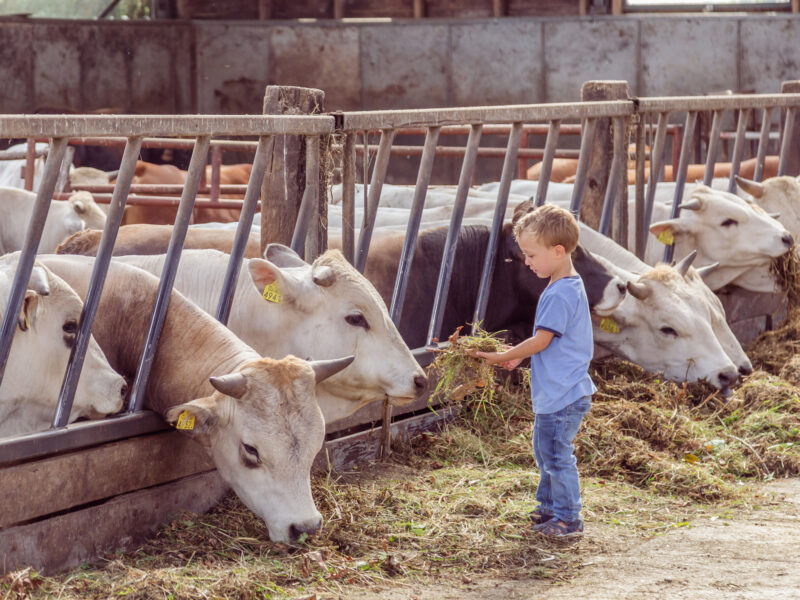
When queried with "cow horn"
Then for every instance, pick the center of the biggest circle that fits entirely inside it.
(754, 188)
(323, 276)
(326, 368)
(775, 216)
(638, 290)
(233, 384)
(691, 204)
(683, 266)
(38, 281)
(707, 270)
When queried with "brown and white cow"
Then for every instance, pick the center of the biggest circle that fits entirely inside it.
(46, 330)
(257, 417)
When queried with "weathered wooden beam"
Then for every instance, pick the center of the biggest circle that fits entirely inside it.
(68, 540)
(51, 485)
(284, 183)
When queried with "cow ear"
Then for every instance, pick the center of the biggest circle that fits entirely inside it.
(664, 230)
(283, 256)
(195, 417)
(29, 312)
(264, 273)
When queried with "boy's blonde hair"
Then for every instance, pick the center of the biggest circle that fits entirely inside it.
(551, 225)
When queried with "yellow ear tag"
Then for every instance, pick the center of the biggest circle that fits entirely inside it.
(608, 324)
(272, 293)
(185, 421)
(666, 237)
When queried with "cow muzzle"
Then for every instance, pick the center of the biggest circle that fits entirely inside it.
(308, 527)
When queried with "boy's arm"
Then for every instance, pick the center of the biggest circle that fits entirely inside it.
(526, 348)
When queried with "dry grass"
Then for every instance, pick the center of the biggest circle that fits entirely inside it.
(452, 505)
(786, 269)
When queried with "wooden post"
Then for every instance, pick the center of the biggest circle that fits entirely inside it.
(284, 181)
(602, 151)
(793, 166)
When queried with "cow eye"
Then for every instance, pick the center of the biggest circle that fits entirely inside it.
(669, 331)
(357, 320)
(252, 453)
(729, 222)
(70, 327)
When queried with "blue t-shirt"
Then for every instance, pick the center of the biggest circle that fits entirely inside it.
(559, 373)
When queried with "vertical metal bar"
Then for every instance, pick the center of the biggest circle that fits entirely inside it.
(308, 203)
(249, 205)
(656, 163)
(587, 139)
(197, 166)
(420, 191)
(92, 301)
(786, 142)
(640, 228)
(216, 163)
(618, 163)
(738, 146)
(348, 195)
(30, 163)
(448, 256)
(547, 161)
(522, 172)
(27, 256)
(713, 145)
(763, 142)
(375, 186)
(314, 211)
(497, 224)
(680, 176)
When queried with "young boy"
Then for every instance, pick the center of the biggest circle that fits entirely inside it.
(560, 351)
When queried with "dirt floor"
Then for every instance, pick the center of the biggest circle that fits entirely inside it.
(748, 553)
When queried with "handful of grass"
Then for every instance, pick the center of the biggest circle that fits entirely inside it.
(786, 269)
(461, 373)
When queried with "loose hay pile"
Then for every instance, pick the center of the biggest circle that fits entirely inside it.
(453, 504)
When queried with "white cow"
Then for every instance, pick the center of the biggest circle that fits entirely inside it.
(45, 334)
(670, 322)
(317, 311)
(63, 219)
(11, 170)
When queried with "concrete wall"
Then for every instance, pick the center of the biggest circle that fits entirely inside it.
(222, 67)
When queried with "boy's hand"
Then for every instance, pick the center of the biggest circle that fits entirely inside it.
(498, 358)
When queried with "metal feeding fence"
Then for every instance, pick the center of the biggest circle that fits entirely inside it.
(599, 193)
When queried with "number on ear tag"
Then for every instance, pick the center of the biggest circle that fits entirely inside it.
(666, 237)
(610, 325)
(272, 293)
(185, 421)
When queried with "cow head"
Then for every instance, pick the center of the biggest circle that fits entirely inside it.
(331, 309)
(46, 331)
(263, 428)
(778, 196)
(656, 328)
(85, 208)
(724, 228)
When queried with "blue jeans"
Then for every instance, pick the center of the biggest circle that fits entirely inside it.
(559, 491)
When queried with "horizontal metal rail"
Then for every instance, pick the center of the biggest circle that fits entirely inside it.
(387, 119)
(162, 125)
(732, 102)
(137, 200)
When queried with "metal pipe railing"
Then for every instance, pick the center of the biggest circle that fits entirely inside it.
(407, 254)
(763, 142)
(264, 151)
(168, 272)
(788, 139)
(497, 224)
(738, 147)
(27, 257)
(713, 146)
(98, 277)
(451, 242)
(680, 177)
(656, 164)
(583, 166)
(547, 161)
(618, 170)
